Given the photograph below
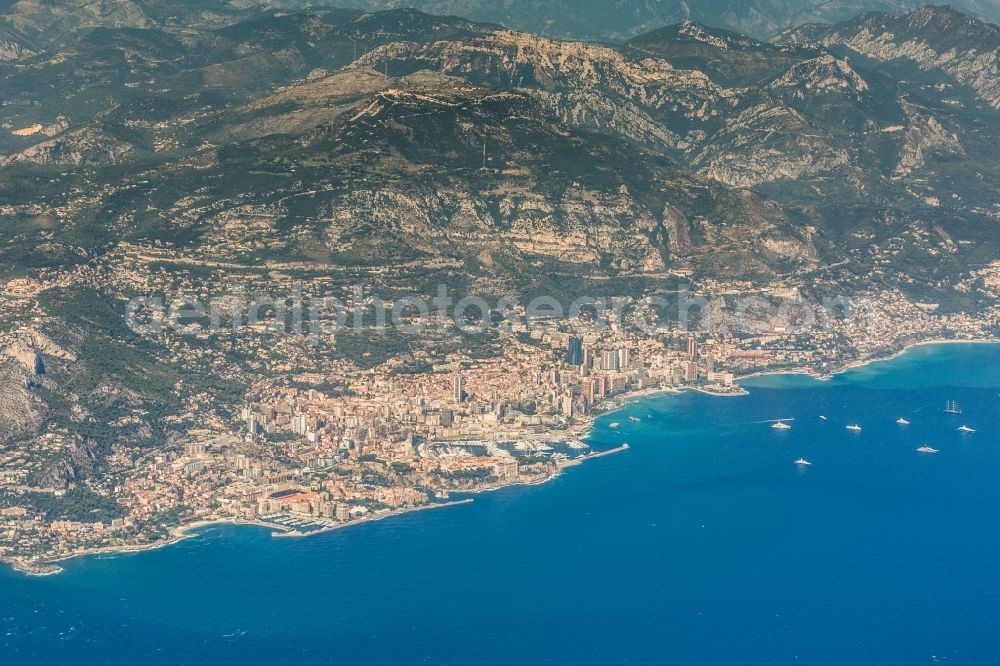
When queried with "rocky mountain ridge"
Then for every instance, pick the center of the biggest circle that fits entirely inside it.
(57, 21)
(800, 124)
(934, 39)
(622, 19)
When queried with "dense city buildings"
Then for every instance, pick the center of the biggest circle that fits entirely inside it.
(320, 439)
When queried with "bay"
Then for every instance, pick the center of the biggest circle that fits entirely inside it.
(703, 543)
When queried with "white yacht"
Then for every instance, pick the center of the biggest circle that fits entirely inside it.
(781, 425)
(802, 462)
(854, 427)
(822, 417)
(634, 419)
(926, 449)
(902, 421)
(614, 425)
(966, 428)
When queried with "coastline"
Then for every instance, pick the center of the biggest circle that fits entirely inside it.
(909, 347)
(583, 430)
(291, 534)
(50, 567)
(875, 358)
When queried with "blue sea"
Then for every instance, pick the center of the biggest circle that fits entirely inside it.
(703, 543)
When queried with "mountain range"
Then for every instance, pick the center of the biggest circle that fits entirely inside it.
(33, 21)
(621, 19)
(408, 149)
(863, 129)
